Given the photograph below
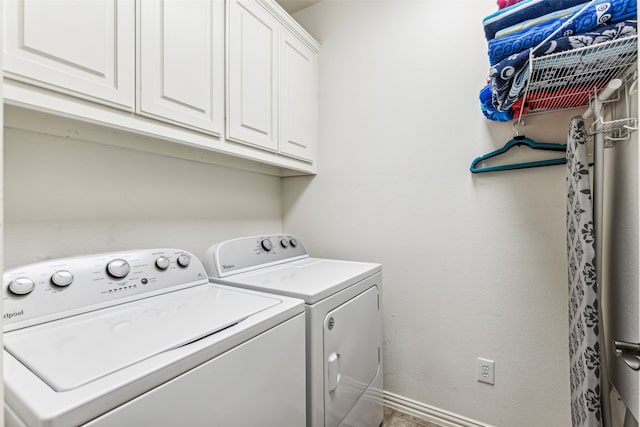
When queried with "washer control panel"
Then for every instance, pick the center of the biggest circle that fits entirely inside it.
(59, 288)
(250, 253)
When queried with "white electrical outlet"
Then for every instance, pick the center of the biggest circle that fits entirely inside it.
(485, 370)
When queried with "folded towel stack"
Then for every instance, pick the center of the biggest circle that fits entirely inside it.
(516, 32)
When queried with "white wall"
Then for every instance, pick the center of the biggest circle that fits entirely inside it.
(474, 265)
(70, 197)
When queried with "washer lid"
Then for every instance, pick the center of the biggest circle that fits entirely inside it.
(74, 351)
(310, 279)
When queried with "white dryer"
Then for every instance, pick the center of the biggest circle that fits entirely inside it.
(342, 305)
(142, 338)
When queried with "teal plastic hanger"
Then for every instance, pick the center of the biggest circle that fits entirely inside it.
(517, 141)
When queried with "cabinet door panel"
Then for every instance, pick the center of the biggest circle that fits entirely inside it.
(297, 98)
(84, 48)
(252, 75)
(182, 62)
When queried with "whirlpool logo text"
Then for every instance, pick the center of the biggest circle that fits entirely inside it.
(8, 316)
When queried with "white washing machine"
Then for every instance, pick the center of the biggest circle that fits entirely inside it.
(342, 305)
(142, 338)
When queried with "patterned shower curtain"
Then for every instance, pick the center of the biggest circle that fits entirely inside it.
(584, 348)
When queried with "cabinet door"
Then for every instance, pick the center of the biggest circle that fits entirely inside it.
(252, 75)
(297, 98)
(182, 62)
(83, 48)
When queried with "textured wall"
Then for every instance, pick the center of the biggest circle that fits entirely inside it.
(474, 265)
(70, 197)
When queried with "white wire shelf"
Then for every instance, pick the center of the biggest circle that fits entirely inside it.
(569, 79)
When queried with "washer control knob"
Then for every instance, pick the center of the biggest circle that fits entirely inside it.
(293, 242)
(266, 244)
(184, 260)
(162, 263)
(21, 285)
(118, 268)
(62, 278)
(284, 243)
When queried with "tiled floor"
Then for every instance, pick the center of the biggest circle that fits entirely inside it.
(393, 418)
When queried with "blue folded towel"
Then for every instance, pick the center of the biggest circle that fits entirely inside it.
(603, 12)
(489, 111)
(526, 9)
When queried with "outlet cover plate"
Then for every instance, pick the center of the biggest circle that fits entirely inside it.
(485, 370)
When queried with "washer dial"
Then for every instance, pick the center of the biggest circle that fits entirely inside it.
(162, 263)
(62, 278)
(118, 268)
(184, 260)
(266, 244)
(21, 285)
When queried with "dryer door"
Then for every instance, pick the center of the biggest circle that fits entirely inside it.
(351, 353)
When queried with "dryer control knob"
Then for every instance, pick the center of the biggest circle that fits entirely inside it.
(62, 278)
(118, 268)
(21, 285)
(284, 243)
(293, 242)
(266, 244)
(162, 263)
(184, 260)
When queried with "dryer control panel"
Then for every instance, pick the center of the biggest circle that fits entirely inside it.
(251, 253)
(49, 290)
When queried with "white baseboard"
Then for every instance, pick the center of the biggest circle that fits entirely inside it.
(428, 413)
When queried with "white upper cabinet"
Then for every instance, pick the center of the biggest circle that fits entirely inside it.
(272, 80)
(181, 62)
(237, 78)
(252, 75)
(298, 98)
(78, 47)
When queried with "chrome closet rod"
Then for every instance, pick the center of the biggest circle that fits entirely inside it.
(595, 110)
